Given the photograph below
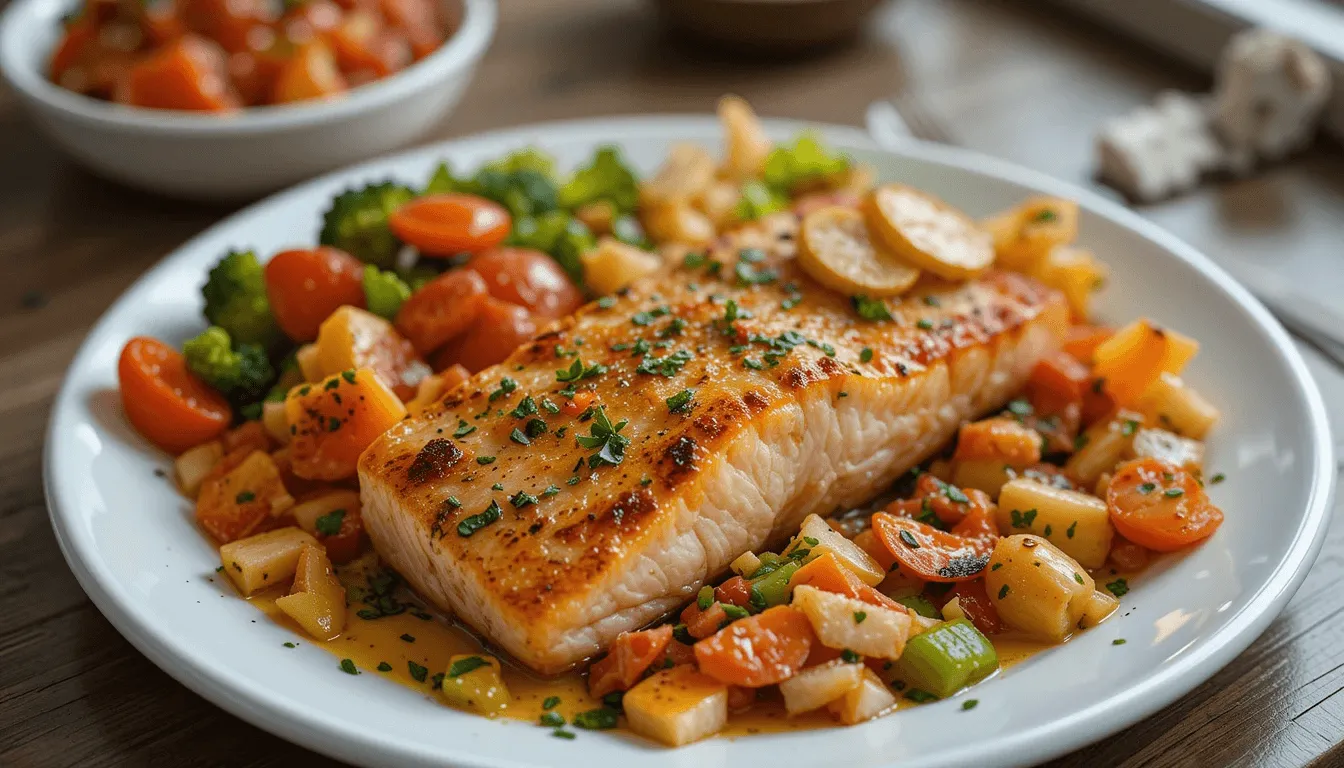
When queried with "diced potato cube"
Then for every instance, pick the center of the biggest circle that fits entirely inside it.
(819, 538)
(317, 600)
(473, 682)
(1172, 448)
(612, 265)
(870, 699)
(1175, 405)
(274, 420)
(677, 706)
(307, 512)
(1036, 588)
(234, 504)
(1078, 523)
(310, 364)
(846, 623)
(1099, 605)
(815, 687)
(264, 560)
(680, 223)
(985, 475)
(1103, 446)
(746, 564)
(719, 202)
(193, 465)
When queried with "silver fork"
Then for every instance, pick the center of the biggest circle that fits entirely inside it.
(892, 123)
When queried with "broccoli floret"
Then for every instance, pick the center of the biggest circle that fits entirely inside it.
(558, 234)
(526, 159)
(243, 374)
(758, 200)
(443, 180)
(357, 222)
(235, 300)
(606, 178)
(627, 229)
(384, 292)
(523, 182)
(787, 168)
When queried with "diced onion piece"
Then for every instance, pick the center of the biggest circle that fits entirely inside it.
(686, 171)
(845, 623)
(1175, 405)
(1078, 523)
(678, 223)
(1103, 446)
(317, 600)
(274, 420)
(746, 564)
(1172, 448)
(744, 137)
(612, 265)
(310, 363)
(815, 687)
(947, 658)
(952, 610)
(1099, 605)
(468, 684)
(928, 233)
(830, 540)
(264, 560)
(1036, 588)
(870, 699)
(677, 706)
(194, 464)
(836, 249)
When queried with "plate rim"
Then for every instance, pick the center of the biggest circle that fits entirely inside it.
(261, 708)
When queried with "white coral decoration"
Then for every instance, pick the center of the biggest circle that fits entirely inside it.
(1155, 152)
(1269, 95)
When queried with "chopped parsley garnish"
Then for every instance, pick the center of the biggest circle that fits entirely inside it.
(463, 666)
(551, 490)
(1172, 493)
(291, 645)
(850, 657)
(596, 719)
(408, 638)
(418, 672)
(1218, 478)
(549, 406)
(245, 497)
(483, 460)
(522, 499)
(1003, 591)
(919, 697)
(330, 523)
(561, 733)
(1071, 529)
(526, 407)
(1078, 577)
(871, 309)
(475, 523)
(932, 301)
(749, 275)
(1128, 427)
(1118, 641)
(1022, 519)
(865, 355)
(909, 540)
(348, 667)
(924, 324)
(506, 385)
(383, 666)
(551, 702)
(1119, 587)
(606, 302)
(535, 427)
(648, 316)
(681, 402)
(953, 493)
(577, 371)
(605, 437)
(551, 719)
(1044, 215)
(1147, 488)
(859, 616)
(969, 704)
(463, 429)
(668, 366)
(518, 437)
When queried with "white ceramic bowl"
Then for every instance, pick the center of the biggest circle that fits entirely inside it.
(251, 151)
(132, 543)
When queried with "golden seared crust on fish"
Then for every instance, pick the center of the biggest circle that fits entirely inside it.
(489, 506)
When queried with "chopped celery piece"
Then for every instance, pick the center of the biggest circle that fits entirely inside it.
(769, 563)
(921, 605)
(773, 588)
(947, 658)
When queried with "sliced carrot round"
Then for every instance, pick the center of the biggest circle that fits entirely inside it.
(926, 553)
(631, 655)
(1160, 506)
(164, 401)
(760, 650)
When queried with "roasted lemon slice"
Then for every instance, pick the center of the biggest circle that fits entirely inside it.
(834, 247)
(929, 233)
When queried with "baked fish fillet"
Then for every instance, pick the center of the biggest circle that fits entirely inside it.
(489, 506)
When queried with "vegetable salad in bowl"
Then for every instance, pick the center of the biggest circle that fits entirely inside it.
(875, 449)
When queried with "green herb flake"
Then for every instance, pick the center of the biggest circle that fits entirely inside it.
(1072, 529)
(1003, 591)
(348, 667)
(330, 523)
(920, 697)
(245, 497)
(463, 666)
(551, 702)
(850, 657)
(1172, 493)
(483, 460)
(969, 704)
(506, 386)
(870, 309)
(866, 355)
(418, 672)
(551, 720)
(1118, 641)
(909, 540)
(601, 719)
(291, 645)
(472, 524)
(1021, 519)
(383, 666)
(1119, 587)
(859, 616)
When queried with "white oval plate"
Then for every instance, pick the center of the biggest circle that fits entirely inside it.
(131, 541)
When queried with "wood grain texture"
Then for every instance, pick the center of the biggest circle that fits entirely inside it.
(1012, 79)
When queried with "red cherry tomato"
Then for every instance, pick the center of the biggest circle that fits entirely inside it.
(163, 400)
(306, 286)
(449, 224)
(499, 329)
(528, 278)
(442, 308)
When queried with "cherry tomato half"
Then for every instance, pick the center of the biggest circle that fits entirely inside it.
(449, 224)
(164, 401)
(528, 278)
(305, 286)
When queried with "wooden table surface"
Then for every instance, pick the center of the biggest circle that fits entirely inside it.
(1018, 80)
